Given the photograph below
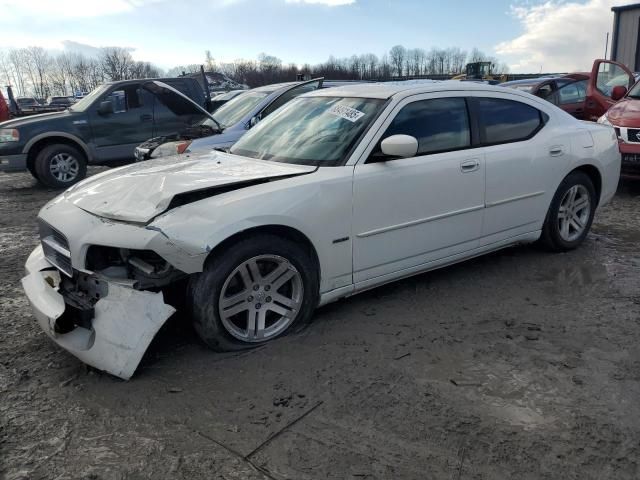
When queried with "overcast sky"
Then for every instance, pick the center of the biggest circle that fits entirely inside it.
(529, 35)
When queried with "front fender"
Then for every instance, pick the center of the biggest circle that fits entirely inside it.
(316, 205)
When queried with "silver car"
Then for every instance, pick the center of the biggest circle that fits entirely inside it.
(222, 129)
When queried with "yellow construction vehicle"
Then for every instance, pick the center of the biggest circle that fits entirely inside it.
(479, 71)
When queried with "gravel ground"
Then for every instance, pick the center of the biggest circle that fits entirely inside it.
(520, 364)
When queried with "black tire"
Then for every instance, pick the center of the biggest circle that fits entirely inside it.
(205, 289)
(45, 158)
(551, 237)
(32, 170)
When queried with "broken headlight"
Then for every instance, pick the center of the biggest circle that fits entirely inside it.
(171, 148)
(145, 268)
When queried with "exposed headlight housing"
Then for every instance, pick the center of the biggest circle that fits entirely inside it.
(171, 148)
(9, 135)
(603, 120)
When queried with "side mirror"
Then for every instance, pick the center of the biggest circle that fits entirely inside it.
(105, 108)
(618, 92)
(254, 121)
(403, 146)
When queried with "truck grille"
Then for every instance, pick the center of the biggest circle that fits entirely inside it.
(56, 248)
(631, 159)
(632, 135)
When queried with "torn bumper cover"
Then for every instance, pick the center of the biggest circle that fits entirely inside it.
(117, 333)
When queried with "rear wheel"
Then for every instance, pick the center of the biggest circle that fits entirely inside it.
(60, 166)
(255, 291)
(571, 213)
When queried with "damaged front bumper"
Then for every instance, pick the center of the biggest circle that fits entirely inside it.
(117, 331)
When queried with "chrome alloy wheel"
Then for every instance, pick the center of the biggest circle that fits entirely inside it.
(260, 298)
(574, 212)
(64, 167)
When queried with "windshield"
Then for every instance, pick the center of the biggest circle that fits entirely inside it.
(83, 104)
(310, 131)
(635, 91)
(235, 109)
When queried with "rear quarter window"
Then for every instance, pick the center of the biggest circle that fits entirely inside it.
(505, 121)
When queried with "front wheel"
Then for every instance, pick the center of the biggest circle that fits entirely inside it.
(256, 290)
(60, 166)
(571, 213)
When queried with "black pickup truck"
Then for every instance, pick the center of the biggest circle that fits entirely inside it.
(102, 128)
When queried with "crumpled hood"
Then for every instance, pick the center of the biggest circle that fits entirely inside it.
(139, 192)
(625, 113)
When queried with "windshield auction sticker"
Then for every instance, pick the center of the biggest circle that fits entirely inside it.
(345, 112)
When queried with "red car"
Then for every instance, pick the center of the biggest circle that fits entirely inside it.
(567, 92)
(613, 90)
(4, 108)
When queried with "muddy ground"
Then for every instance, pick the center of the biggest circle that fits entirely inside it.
(521, 364)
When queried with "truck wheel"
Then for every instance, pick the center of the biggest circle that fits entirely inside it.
(32, 170)
(259, 289)
(60, 166)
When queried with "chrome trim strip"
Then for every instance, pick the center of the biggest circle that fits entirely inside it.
(56, 246)
(418, 222)
(514, 199)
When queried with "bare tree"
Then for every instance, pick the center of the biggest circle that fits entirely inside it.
(116, 62)
(397, 57)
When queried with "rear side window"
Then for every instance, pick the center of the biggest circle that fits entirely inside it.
(572, 93)
(504, 121)
(440, 124)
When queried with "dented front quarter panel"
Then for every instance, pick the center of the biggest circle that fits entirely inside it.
(317, 205)
(125, 320)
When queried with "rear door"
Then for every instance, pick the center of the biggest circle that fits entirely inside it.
(605, 75)
(517, 165)
(571, 97)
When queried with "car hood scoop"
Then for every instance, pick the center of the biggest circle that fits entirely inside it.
(140, 192)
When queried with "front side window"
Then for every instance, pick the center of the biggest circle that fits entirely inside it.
(289, 95)
(503, 121)
(544, 91)
(125, 99)
(611, 75)
(310, 131)
(439, 124)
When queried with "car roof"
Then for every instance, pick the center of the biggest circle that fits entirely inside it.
(402, 88)
(274, 86)
(528, 81)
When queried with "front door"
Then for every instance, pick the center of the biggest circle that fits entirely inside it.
(605, 75)
(408, 212)
(117, 134)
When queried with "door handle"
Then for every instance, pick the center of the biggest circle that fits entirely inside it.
(470, 165)
(146, 117)
(556, 151)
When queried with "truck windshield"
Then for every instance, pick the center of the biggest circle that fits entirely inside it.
(87, 101)
(310, 131)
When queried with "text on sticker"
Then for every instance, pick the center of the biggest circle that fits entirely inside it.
(345, 112)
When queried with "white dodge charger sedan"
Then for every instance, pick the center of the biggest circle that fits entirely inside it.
(339, 191)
